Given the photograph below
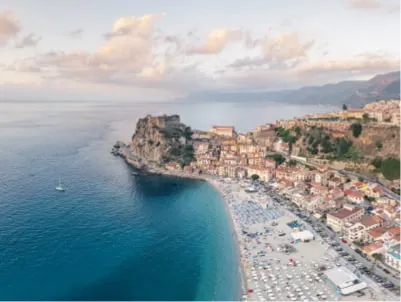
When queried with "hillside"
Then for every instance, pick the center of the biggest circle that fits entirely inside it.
(352, 93)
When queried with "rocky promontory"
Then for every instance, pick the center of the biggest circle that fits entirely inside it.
(162, 139)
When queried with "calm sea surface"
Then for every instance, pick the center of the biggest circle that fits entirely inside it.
(111, 235)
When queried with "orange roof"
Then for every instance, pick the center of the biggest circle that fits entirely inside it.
(377, 232)
(372, 247)
(368, 221)
(344, 213)
(352, 193)
(394, 231)
(359, 184)
(377, 189)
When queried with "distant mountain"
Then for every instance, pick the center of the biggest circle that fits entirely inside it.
(352, 93)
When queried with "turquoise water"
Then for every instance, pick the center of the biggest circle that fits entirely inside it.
(111, 235)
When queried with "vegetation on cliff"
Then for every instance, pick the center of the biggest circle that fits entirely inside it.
(163, 139)
(389, 167)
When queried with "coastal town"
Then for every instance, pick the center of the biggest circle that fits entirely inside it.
(297, 203)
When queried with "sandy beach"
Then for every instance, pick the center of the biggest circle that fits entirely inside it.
(268, 273)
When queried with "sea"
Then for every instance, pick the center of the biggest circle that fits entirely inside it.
(112, 235)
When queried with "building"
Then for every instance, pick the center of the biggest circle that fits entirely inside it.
(227, 131)
(347, 214)
(358, 231)
(373, 248)
(354, 196)
(173, 166)
(344, 280)
(392, 257)
(263, 173)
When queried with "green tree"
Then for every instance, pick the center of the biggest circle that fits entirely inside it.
(356, 129)
(377, 162)
(345, 107)
(390, 168)
(376, 257)
(292, 163)
(188, 133)
(379, 145)
(150, 142)
(297, 131)
(341, 147)
(360, 178)
(254, 177)
(278, 158)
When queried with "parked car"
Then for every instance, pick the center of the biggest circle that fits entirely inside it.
(344, 241)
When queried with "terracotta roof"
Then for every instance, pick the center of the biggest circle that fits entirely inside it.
(369, 221)
(394, 231)
(318, 186)
(344, 213)
(377, 189)
(352, 193)
(372, 247)
(377, 232)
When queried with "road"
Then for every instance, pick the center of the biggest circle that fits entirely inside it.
(387, 191)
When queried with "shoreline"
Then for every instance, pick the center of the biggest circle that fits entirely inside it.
(243, 283)
(214, 184)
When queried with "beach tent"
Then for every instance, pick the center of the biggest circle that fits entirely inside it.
(302, 236)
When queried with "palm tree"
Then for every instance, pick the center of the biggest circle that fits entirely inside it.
(377, 257)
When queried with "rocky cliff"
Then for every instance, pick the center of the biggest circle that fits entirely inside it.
(162, 139)
(380, 140)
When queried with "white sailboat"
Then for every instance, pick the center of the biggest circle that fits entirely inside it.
(60, 187)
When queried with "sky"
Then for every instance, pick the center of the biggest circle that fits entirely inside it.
(160, 50)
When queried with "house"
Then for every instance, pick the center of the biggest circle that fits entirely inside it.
(173, 166)
(348, 213)
(354, 196)
(241, 172)
(375, 191)
(201, 147)
(392, 257)
(335, 182)
(337, 193)
(358, 231)
(263, 173)
(375, 234)
(373, 248)
(227, 131)
(318, 189)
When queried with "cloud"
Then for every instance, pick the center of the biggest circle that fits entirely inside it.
(133, 55)
(311, 73)
(216, 41)
(134, 26)
(76, 33)
(392, 7)
(361, 64)
(30, 40)
(9, 27)
(283, 51)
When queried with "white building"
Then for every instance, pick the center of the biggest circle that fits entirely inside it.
(344, 280)
(302, 236)
(392, 257)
